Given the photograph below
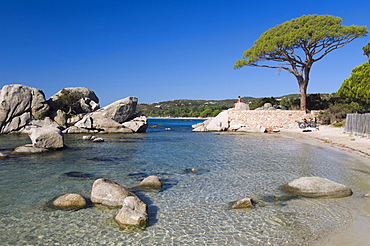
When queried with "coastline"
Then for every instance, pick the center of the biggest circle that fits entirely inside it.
(357, 147)
(336, 139)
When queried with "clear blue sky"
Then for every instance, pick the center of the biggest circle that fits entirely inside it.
(161, 50)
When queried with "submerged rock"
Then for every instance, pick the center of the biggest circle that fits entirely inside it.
(243, 203)
(28, 149)
(316, 187)
(133, 213)
(151, 182)
(87, 137)
(97, 140)
(78, 175)
(71, 201)
(3, 156)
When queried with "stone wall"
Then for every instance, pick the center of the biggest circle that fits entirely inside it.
(275, 119)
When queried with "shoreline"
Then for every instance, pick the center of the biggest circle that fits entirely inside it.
(336, 139)
(357, 147)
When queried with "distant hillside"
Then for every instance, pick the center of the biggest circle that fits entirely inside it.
(211, 108)
(185, 108)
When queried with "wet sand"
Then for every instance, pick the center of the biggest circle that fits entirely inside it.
(357, 147)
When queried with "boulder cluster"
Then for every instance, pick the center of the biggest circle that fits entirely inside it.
(133, 212)
(24, 109)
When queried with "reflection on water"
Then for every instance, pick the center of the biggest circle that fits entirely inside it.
(192, 208)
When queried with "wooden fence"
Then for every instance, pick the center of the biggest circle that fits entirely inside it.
(358, 124)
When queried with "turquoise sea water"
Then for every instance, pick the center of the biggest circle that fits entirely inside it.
(192, 208)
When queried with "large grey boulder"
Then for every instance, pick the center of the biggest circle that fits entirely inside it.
(20, 104)
(133, 213)
(47, 137)
(119, 111)
(137, 124)
(219, 123)
(109, 193)
(93, 124)
(316, 187)
(112, 119)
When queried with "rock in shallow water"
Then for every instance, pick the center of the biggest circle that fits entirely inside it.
(243, 203)
(133, 213)
(72, 201)
(316, 187)
(151, 182)
(3, 156)
(109, 193)
(28, 150)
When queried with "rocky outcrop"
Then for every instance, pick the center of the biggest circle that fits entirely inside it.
(118, 117)
(70, 201)
(109, 193)
(74, 109)
(82, 99)
(20, 104)
(151, 182)
(316, 187)
(133, 213)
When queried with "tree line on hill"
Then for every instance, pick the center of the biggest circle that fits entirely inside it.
(334, 107)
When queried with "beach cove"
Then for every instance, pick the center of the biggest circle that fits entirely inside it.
(192, 208)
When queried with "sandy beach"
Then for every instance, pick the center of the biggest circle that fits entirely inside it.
(357, 147)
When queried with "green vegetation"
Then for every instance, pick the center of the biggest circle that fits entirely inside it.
(211, 108)
(296, 44)
(366, 50)
(186, 108)
(68, 101)
(357, 86)
(259, 102)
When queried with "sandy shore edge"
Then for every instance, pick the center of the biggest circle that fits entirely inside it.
(357, 147)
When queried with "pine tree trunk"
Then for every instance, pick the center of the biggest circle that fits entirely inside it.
(303, 91)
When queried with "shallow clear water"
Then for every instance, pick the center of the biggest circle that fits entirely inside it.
(192, 208)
